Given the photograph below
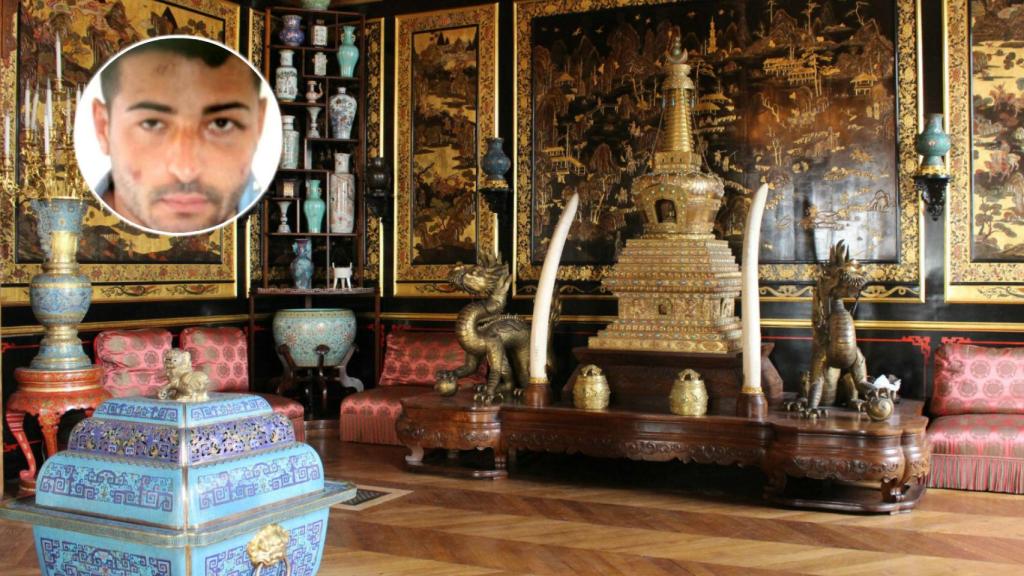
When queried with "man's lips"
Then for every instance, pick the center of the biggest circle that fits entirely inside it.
(186, 202)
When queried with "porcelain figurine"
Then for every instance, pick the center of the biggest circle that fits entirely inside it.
(342, 196)
(342, 114)
(292, 34)
(286, 83)
(290, 144)
(348, 54)
(313, 207)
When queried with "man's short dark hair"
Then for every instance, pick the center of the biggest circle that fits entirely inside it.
(213, 55)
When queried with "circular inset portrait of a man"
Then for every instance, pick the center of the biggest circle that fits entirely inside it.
(178, 135)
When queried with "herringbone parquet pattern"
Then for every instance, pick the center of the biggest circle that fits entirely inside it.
(563, 515)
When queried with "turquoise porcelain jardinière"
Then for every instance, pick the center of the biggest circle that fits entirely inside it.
(303, 329)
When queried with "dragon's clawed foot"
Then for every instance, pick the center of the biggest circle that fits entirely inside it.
(485, 398)
(801, 406)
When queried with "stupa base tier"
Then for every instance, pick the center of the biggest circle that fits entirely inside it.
(671, 335)
(633, 342)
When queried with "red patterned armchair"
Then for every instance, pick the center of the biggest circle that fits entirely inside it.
(977, 427)
(133, 364)
(410, 361)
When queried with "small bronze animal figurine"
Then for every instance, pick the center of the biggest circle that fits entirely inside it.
(183, 384)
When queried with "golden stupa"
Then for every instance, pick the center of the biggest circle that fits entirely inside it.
(677, 284)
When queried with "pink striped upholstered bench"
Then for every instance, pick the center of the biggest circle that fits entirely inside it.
(977, 427)
(410, 361)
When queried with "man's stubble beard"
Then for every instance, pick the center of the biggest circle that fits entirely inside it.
(131, 201)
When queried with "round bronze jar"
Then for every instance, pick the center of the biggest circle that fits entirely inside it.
(689, 397)
(591, 391)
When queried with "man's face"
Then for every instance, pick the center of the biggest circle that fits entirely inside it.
(181, 136)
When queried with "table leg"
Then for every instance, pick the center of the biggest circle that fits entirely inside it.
(48, 422)
(16, 424)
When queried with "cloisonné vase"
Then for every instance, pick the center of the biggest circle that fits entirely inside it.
(342, 196)
(932, 144)
(60, 296)
(495, 162)
(302, 266)
(342, 114)
(291, 34)
(314, 207)
(303, 329)
(348, 54)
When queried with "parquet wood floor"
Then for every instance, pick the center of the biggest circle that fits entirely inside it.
(565, 515)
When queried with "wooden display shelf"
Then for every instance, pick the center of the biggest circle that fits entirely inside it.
(303, 171)
(314, 234)
(334, 140)
(275, 291)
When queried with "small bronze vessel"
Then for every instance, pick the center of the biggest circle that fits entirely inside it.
(688, 397)
(591, 391)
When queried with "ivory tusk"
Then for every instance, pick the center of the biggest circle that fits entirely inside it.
(751, 304)
(545, 289)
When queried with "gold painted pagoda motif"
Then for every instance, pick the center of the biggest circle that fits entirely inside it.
(677, 284)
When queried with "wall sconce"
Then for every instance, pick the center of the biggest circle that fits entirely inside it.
(932, 178)
(495, 188)
(378, 189)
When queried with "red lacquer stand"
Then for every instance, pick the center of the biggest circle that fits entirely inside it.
(48, 395)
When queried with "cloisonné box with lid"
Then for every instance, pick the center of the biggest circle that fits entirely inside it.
(152, 487)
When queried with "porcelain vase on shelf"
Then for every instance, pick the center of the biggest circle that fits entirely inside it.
(348, 54)
(283, 227)
(342, 196)
(303, 329)
(313, 91)
(289, 144)
(313, 207)
(316, 4)
(302, 266)
(291, 34)
(314, 128)
(60, 296)
(320, 64)
(342, 113)
(319, 34)
(286, 79)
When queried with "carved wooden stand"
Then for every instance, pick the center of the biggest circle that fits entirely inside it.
(841, 449)
(48, 395)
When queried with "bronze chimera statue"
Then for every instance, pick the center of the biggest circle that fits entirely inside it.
(838, 369)
(183, 384)
(485, 331)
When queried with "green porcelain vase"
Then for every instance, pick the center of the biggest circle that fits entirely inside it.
(932, 144)
(314, 208)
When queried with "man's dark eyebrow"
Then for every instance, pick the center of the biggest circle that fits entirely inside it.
(214, 108)
(154, 106)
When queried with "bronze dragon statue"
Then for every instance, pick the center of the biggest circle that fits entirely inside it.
(485, 331)
(838, 369)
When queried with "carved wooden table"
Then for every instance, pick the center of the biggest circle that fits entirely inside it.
(48, 395)
(840, 450)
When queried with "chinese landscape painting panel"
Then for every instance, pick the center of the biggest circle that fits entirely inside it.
(799, 95)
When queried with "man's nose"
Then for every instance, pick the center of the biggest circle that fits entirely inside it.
(183, 157)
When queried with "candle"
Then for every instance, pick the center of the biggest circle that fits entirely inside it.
(60, 76)
(28, 104)
(48, 120)
(7, 138)
(35, 108)
(751, 304)
(67, 113)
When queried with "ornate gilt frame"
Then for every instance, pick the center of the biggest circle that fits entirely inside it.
(121, 282)
(373, 265)
(967, 281)
(895, 282)
(431, 280)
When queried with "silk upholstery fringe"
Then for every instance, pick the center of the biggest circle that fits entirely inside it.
(981, 473)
